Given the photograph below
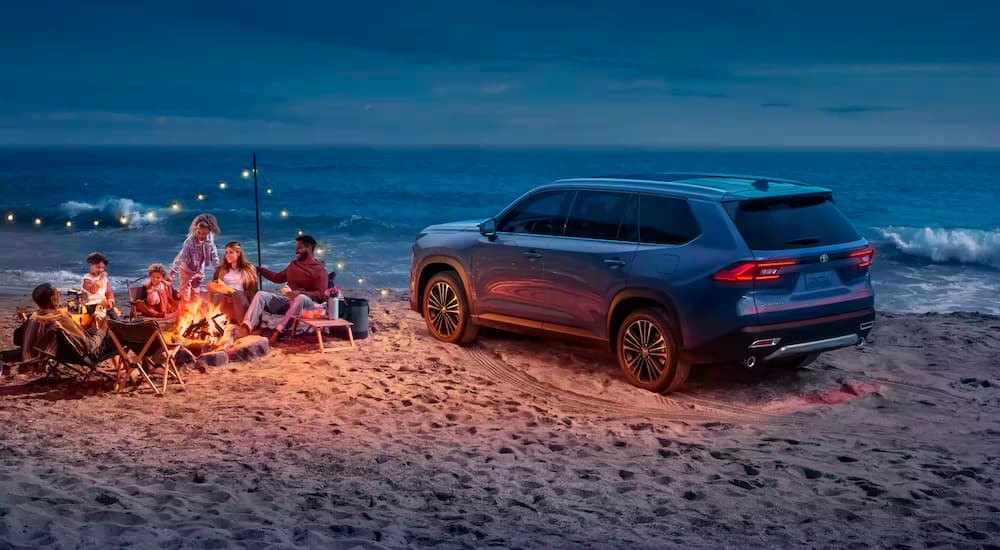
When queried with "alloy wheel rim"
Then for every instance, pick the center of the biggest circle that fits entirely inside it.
(444, 309)
(645, 351)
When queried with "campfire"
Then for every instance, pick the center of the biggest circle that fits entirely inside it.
(201, 327)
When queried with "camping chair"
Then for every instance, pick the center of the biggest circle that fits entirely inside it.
(145, 342)
(66, 356)
(60, 354)
(134, 289)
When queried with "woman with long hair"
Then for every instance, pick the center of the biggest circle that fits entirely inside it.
(234, 284)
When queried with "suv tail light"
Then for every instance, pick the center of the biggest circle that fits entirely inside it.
(864, 257)
(752, 271)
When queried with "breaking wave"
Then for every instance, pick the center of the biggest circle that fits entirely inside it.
(112, 212)
(946, 245)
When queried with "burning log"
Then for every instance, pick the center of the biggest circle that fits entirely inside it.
(201, 327)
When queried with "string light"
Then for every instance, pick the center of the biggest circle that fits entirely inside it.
(284, 213)
(268, 191)
(222, 185)
(301, 232)
(151, 215)
(361, 281)
(69, 223)
(246, 174)
(10, 217)
(38, 221)
(319, 250)
(340, 266)
(201, 197)
(384, 292)
(123, 220)
(175, 207)
(97, 222)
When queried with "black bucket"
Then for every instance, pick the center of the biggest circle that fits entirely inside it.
(355, 310)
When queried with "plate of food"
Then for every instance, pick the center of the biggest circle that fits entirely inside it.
(219, 288)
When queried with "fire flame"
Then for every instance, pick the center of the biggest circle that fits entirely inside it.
(201, 321)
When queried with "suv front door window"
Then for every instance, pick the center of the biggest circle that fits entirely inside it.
(508, 270)
(541, 214)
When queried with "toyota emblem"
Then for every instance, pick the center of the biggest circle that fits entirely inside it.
(823, 258)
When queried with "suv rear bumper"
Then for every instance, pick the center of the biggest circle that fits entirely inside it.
(766, 342)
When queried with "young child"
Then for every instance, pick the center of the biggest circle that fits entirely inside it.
(157, 298)
(96, 287)
(199, 251)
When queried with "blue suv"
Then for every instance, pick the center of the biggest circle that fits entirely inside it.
(670, 270)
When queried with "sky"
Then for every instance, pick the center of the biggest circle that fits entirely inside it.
(792, 73)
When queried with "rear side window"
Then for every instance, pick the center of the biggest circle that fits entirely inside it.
(603, 215)
(666, 220)
(542, 214)
(792, 222)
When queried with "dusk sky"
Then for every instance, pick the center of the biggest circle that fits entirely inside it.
(656, 73)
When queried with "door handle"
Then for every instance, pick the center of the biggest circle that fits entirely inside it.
(532, 255)
(614, 263)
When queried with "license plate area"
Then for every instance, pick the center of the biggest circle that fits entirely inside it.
(818, 281)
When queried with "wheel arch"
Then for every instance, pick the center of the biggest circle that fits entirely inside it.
(630, 300)
(433, 265)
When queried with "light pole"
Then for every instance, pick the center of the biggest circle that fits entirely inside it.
(256, 204)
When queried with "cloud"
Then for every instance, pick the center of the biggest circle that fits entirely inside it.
(167, 100)
(859, 109)
(489, 88)
(659, 86)
(699, 93)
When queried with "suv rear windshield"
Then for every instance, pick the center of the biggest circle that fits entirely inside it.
(791, 222)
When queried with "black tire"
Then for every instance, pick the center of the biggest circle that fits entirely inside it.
(794, 362)
(647, 351)
(446, 310)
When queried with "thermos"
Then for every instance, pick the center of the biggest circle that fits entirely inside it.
(333, 305)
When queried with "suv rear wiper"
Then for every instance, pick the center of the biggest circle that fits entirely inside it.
(805, 240)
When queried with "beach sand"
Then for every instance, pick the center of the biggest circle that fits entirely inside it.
(517, 442)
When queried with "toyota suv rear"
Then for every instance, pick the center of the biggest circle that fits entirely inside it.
(670, 270)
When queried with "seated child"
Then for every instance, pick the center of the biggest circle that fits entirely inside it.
(96, 287)
(157, 298)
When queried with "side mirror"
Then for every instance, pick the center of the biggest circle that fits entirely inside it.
(488, 229)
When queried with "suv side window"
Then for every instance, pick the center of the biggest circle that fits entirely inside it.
(541, 214)
(666, 220)
(606, 215)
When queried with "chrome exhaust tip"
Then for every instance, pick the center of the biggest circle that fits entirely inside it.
(860, 344)
(749, 362)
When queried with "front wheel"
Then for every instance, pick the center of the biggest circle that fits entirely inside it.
(446, 310)
(647, 351)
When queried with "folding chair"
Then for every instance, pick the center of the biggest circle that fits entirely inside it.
(59, 353)
(134, 291)
(64, 355)
(145, 340)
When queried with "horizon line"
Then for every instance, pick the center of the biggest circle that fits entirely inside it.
(507, 146)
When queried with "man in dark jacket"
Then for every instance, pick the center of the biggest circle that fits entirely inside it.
(305, 280)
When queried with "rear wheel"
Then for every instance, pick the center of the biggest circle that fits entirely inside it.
(647, 351)
(446, 310)
(794, 362)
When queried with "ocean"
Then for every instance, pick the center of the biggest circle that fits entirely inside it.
(933, 216)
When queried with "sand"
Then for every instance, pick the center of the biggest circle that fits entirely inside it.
(517, 442)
